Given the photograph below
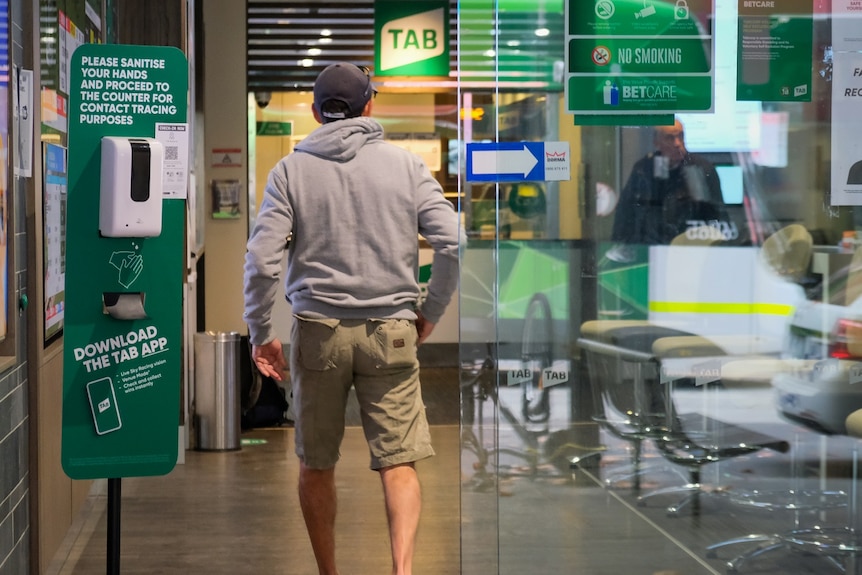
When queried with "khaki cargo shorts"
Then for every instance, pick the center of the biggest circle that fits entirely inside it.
(378, 358)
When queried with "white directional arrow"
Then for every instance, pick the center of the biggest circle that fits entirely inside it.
(503, 161)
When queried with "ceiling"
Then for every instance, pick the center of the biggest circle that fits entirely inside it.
(291, 41)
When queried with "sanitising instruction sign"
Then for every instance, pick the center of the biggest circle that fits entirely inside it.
(123, 327)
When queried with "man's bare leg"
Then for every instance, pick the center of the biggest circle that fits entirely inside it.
(318, 500)
(403, 497)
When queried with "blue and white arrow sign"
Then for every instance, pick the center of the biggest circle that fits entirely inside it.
(518, 161)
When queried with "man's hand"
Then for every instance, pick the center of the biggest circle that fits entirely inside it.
(424, 327)
(269, 359)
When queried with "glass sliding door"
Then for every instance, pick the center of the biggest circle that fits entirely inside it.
(660, 354)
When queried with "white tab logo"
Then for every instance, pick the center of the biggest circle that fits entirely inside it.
(519, 376)
(412, 39)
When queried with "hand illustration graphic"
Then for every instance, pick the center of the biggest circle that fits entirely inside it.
(130, 265)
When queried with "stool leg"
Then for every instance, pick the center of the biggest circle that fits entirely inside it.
(854, 565)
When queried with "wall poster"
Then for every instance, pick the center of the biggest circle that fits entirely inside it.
(846, 165)
(55, 186)
(225, 198)
(774, 51)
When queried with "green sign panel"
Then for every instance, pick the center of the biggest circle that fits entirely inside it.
(411, 38)
(275, 128)
(123, 332)
(638, 94)
(623, 288)
(504, 51)
(636, 17)
(661, 55)
(252, 441)
(624, 120)
(774, 52)
(627, 57)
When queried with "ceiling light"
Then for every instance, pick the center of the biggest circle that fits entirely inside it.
(542, 32)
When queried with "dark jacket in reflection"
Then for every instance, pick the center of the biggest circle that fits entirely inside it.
(654, 210)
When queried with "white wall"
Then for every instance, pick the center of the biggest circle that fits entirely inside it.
(225, 127)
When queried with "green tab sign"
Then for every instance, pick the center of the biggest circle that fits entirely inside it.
(411, 38)
(124, 263)
(627, 57)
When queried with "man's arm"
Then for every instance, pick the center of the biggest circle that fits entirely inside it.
(438, 224)
(423, 327)
(715, 195)
(269, 359)
(714, 183)
(265, 250)
(626, 223)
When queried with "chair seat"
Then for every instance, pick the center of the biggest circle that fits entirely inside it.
(697, 439)
(627, 361)
(685, 346)
(854, 424)
(600, 329)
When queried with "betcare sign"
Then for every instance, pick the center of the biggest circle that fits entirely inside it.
(411, 38)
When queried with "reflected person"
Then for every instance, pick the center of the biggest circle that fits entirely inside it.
(670, 191)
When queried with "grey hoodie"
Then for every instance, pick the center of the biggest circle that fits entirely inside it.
(353, 206)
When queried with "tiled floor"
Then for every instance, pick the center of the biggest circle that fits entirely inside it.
(237, 513)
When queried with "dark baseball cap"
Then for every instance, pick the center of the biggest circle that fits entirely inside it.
(345, 82)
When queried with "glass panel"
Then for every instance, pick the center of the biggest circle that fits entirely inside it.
(5, 156)
(661, 355)
(63, 27)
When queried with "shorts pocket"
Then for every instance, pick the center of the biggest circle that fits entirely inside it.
(316, 342)
(396, 342)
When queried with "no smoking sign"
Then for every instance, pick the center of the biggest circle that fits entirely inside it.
(601, 56)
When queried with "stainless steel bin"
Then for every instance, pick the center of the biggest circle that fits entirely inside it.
(217, 394)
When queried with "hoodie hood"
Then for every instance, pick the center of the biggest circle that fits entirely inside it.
(341, 140)
(353, 206)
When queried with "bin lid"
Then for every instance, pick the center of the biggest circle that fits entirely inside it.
(217, 336)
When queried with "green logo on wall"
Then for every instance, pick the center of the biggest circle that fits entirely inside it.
(411, 38)
(275, 128)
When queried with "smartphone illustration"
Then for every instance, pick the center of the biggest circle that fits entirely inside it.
(103, 404)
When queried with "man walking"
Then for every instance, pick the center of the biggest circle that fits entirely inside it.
(352, 206)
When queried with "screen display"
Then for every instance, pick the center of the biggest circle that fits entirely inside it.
(733, 126)
(55, 191)
(731, 184)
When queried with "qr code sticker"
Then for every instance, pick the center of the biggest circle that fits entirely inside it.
(171, 152)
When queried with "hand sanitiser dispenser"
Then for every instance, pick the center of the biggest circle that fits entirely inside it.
(131, 187)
